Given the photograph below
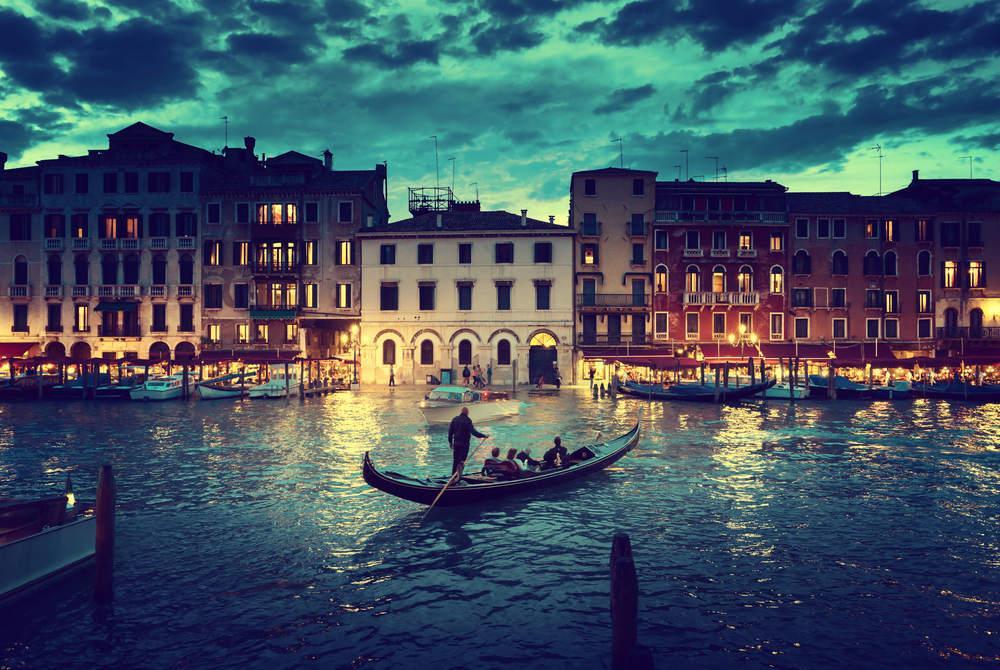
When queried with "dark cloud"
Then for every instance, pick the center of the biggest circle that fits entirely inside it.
(515, 10)
(16, 137)
(344, 10)
(405, 54)
(66, 10)
(286, 16)
(269, 48)
(990, 142)
(624, 98)
(489, 39)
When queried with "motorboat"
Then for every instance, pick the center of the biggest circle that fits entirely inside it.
(82, 387)
(283, 382)
(846, 389)
(40, 539)
(227, 386)
(894, 390)
(443, 403)
(160, 388)
(787, 391)
(130, 379)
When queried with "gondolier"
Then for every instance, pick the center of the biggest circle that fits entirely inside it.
(460, 433)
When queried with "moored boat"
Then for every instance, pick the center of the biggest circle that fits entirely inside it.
(694, 392)
(224, 387)
(958, 391)
(475, 488)
(846, 389)
(896, 390)
(160, 388)
(283, 382)
(26, 387)
(444, 402)
(787, 391)
(130, 379)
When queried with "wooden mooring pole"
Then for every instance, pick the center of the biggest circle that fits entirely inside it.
(627, 654)
(104, 545)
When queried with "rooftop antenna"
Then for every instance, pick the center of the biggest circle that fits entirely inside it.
(621, 156)
(678, 172)
(437, 171)
(452, 176)
(686, 174)
(725, 173)
(716, 166)
(225, 121)
(970, 164)
(878, 147)
(476, 184)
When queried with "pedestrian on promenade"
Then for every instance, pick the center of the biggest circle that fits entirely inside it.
(392, 376)
(466, 374)
(489, 374)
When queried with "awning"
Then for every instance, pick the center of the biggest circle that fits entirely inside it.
(272, 313)
(809, 352)
(866, 351)
(728, 352)
(115, 306)
(14, 349)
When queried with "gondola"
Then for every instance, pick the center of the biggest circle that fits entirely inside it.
(475, 489)
(958, 391)
(846, 389)
(694, 392)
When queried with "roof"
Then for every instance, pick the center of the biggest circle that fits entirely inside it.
(613, 171)
(334, 180)
(970, 195)
(721, 186)
(841, 202)
(461, 221)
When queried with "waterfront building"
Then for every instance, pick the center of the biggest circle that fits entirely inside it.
(455, 286)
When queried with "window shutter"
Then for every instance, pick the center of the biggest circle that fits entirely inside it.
(352, 253)
(942, 275)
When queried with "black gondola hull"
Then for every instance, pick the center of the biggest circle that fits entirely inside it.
(693, 393)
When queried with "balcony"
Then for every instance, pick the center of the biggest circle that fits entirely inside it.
(21, 328)
(158, 291)
(185, 291)
(158, 243)
(81, 243)
(722, 298)
(277, 268)
(19, 200)
(185, 243)
(54, 328)
(19, 291)
(955, 333)
(81, 291)
(119, 330)
(693, 253)
(53, 291)
(124, 243)
(636, 229)
(719, 253)
(611, 300)
(746, 254)
(53, 244)
(118, 291)
(588, 339)
(272, 312)
(81, 329)
(735, 217)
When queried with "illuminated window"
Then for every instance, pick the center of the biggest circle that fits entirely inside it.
(311, 296)
(949, 278)
(214, 334)
(213, 252)
(81, 319)
(871, 229)
(242, 333)
(890, 230)
(892, 302)
(345, 253)
(925, 231)
(745, 279)
(343, 295)
(660, 279)
(291, 332)
(589, 254)
(976, 278)
(692, 279)
(261, 333)
(241, 253)
(718, 279)
(746, 240)
(777, 280)
(924, 305)
(777, 241)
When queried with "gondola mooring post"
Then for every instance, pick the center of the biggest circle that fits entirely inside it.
(104, 539)
(717, 385)
(624, 600)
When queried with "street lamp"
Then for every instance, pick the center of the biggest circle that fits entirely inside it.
(355, 339)
(743, 338)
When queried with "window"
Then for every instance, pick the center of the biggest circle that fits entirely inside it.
(801, 228)
(838, 297)
(83, 183)
(20, 227)
(925, 231)
(187, 318)
(718, 279)
(158, 182)
(277, 213)
(345, 212)
(889, 264)
(718, 325)
(822, 228)
(427, 353)
(871, 229)
(638, 254)
(261, 334)
(801, 263)
(214, 212)
(975, 234)
(691, 325)
(839, 329)
(21, 271)
(660, 279)
(291, 332)
(801, 297)
(777, 326)
(241, 296)
(872, 328)
(312, 212)
(590, 187)
(924, 304)
(718, 239)
(745, 279)
(692, 279)
(213, 252)
(892, 302)
(950, 234)
(777, 241)
(311, 252)
(465, 254)
(311, 295)
(243, 212)
(637, 226)
(976, 278)
(130, 269)
(588, 254)
(388, 352)
(543, 252)
(345, 253)
(949, 274)
(504, 252)
(661, 322)
(839, 229)
(81, 318)
(110, 182)
(52, 184)
(387, 254)
(542, 292)
(746, 240)
(638, 187)
(777, 280)
(343, 295)
(924, 327)
(801, 327)
(55, 225)
(426, 298)
(465, 297)
(109, 269)
(872, 264)
(213, 296)
(839, 265)
(131, 182)
(590, 224)
(891, 329)
(186, 224)
(873, 298)
(692, 240)
(660, 239)
(187, 182)
(55, 270)
(389, 297)
(425, 254)
(503, 352)
(503, 297)
(465, 352)
(159, 224)
(924, 264)
(54, 322)
(890, 230)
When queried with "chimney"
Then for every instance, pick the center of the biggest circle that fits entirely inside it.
(371, 220)
(440, 216)
(524, 218)
(250, 143)
(3, 160)
(552, 218)
(916, 175)
(327, 159)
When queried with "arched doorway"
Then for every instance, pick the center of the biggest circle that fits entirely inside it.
(976, 323)
(159, 351)
(80, 351)
(542, 358)
(55, 350)
(951, 323)
(184, 352)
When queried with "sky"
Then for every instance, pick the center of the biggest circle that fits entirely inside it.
(507, 98)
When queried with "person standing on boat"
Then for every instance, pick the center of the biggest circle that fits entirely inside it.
(460, 433)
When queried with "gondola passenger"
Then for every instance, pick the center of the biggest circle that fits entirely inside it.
(556, 456)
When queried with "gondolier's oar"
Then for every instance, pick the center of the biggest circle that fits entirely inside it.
(457, 473)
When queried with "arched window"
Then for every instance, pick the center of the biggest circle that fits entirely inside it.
(131, 269)
(976, 323)
(890, 264)
(746, 279)
(839, 266)
(777, 280)
(465, 352)
(81, 270)
(692, 279)
(187, 269)
(427, 353)
(951, 322)
(159, 269)
(20, 271)
(503, 352)
(388, 353)
(924, 264)
(55, 270)
(718, 279)
(109, 269)
(660, 278)
(801, 263)
(873, 263)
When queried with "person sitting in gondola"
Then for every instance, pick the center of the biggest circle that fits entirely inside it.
(527, 462)
(493, 461)
(556, 456)
(510, 466)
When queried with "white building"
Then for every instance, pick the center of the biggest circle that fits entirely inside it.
(463, 287)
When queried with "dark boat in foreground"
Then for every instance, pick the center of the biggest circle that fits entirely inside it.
(694, 392)
(846, 389)
(475, 488)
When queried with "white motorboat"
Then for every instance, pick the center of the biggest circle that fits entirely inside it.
(40, 539)
(160, 388)
(786, 391)
(226, 386)
(445, 402)
(279, 385)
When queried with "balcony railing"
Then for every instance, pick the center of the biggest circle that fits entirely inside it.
(19, 291)
(185, 243)
(277, 267)
(126, 243)
(693, 253)
(185, 291)
(53, 291)
(118, 291)
(604, 339)
(81, 291)
(722, 298)
(54, 328)
(719, 253)
(20, 328)
(736, 217)
(81, 243)
(746, 253)
(19, 200)
(964, 333)
(158, 291)
(611, 300)
(53, 244)
(157, 243)
(119, 330)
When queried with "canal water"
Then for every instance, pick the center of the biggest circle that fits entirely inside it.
(766, 535)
